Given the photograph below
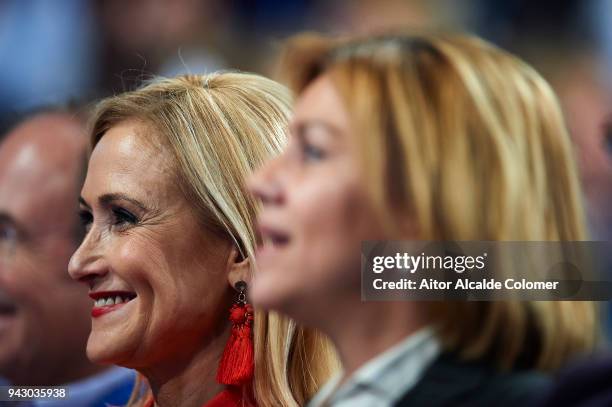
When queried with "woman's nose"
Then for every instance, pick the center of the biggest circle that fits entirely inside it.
(265, 184)
(87, 263)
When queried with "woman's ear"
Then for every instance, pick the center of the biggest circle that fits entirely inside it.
(238, 267)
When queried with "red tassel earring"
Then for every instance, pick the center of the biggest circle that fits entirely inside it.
(236, 365)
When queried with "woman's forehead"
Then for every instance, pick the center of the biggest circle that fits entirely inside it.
(124, 157)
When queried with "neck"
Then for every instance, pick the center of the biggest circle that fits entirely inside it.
(189, 381)
(353, 323)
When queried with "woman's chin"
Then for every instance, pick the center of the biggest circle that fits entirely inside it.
(262, 294)
(268, 294)
(100, 351)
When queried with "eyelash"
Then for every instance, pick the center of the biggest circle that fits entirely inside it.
(121, 218)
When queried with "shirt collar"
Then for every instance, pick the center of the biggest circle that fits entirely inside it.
(389, 375)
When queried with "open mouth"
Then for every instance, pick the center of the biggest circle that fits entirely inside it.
(273, 237)
(278, 239)
(7, 309)
(108, 301)
(8, 313)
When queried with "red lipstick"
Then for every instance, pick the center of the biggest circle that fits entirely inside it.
(99, 311)
(102, 305)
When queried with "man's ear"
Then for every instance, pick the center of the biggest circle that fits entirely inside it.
(238, 267)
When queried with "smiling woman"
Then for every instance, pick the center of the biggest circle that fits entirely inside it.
(170, 233)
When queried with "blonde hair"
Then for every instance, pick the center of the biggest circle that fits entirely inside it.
(469, 142)
(221, 127)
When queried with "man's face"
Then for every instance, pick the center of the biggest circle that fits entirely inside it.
(44, 315)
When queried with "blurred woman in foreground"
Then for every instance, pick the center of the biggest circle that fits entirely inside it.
(169, 251)
(419, 137)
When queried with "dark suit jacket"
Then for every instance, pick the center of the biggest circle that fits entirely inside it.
(588, 384)
(451, 382)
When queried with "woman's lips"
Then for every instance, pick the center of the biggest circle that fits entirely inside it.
(273, 241)
(272, 236)
(109, 301)
(99, 311)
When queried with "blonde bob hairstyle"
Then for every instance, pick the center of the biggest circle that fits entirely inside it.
(219, 128)
(469, 142)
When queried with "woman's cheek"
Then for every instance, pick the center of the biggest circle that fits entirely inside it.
(140, 259)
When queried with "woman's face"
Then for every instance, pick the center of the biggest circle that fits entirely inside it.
(315, 211)
(158, 279)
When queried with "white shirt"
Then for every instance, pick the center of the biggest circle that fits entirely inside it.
(383, 380)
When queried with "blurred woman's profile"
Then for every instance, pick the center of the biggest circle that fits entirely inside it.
(428, 137)
(169, 250)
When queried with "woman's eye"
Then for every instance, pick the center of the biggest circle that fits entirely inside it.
(86, 219)
(123, 217)
(312, 153)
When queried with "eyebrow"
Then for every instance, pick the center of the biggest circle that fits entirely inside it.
(301, 127)
(112, 197)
